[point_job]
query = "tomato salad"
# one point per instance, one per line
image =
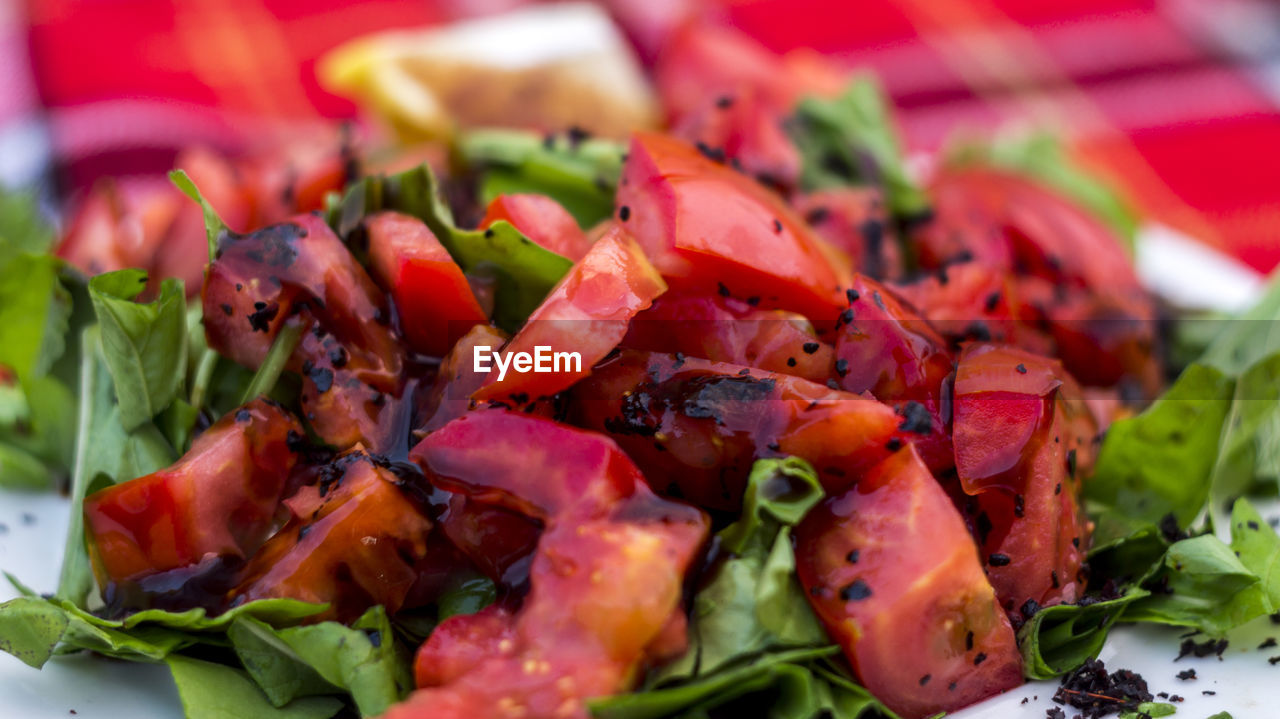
(824, 447)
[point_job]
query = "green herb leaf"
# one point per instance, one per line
(524, 271)
(216, 691)
(214, 227)
(22, 470)
(22, 229)
(581, 175)
(467, 592)
(1060, 638)
(1246, 457)
(30, 629)
(145, 346)
(1197, 584)
(852, 139)
(264, 380)
(1149, 710)
(34, 313)
(1161, 461)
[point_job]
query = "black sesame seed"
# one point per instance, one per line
(856, 591)
(724, 291)
(810, 347)
(624, 213)
(777, 226)
(980, 658)
(1022, 369)
(852, 556)
(842, 367)
(998, 560)
(925, 679)
(791, 361)
(968, 641)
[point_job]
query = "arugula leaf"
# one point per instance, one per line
(1161, 461)
(1041, 156)
(363, 659)
(144, 345)
(1250, 336)
(105, 453)
(1246, 454)
(1195, 586)
(21, 470)
(1258, 547)
(30, 629)
(754, 602)
(22, 229)
(851, 139)
(215, 229)
(34, 313)
(216, 691)
(1149, 710)
(525, 272)
(466, 592)
(1058, 639)
(582, 175)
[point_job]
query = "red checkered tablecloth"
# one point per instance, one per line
(1178, 100)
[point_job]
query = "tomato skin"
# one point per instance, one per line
(892, 573)
(586, 312)
(496, 540)
(705, 226)
(1070, 269)
(695, 427)
(604, 584)
(1026, 510)
(747, 131)
(352, 544)
(855, 220)
(432, 295)
(219, 499)
(450, 395)
(889, 350)
(724, 329)
(542, 220)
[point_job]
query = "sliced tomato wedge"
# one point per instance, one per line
(855, 220)
(449, 397)
(743, 130)
(435, 302)
(542, 220)
(723, 329)
(353, 542)
(1026, 512)
(893, 574)
(695, 427)
(606, 580)
(219, 500)
(886, 348)
(709, 229)
(586, 313)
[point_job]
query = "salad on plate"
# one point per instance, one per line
(738, 413)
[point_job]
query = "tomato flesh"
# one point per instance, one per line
(891, 571)
(586, 312)
(707, 227)
(220, 499)
(435, 302)
(542, 220)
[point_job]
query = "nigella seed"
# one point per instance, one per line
(1071, 463)
(810, 347)
(925, 679)
(753, 300)
(851, 295)
(980, 658)
(846, 317)
(855, 592)
(1022, 369)
(724, 291)
(852, 556)
(624, 213)
(1018, 509)
(777, 226)
(791, 361)
(998, 560)
(226, 310)
(842, 366)
(893, 445)
(968, 641)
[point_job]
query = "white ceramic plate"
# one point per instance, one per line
(1243, 682)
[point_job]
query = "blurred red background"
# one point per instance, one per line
(1177, 100)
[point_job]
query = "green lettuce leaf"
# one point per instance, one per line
(524, 271)
(1058, 639)
(216, 691)
(851, 139)
(363, 660)
(582, 175)
(215, 229)
(22, 229)
(34, 313)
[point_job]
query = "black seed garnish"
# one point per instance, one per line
(968, 641)
(1071, 463)
(1270, 642)
(1018, 509)
(1053, 577)
(855, 592)
(1022, 369)
(624, 213)
(791, 361)
(1057, 489)
(322, 377)
(980, 658)
(1099, 694)
(998, 560)
(338, 357)
(724, 102)
(893, 445)
(842, 366)
(875, 295)
(242, 415)
(777, 226)
(984, 526)
(1273, 660)
(753, 300)
(226, 309)
(260, 318)
(925, 679)
(1191, 647)
(951, 687)
(993, 299)
(1075, 542)
(1208, 692)
(1029, 608)
(846, 317)
(915, 418)
(852, 556)
(852, 295)
(724, 291)
(375, 637)
(810, 347)
(1253, 525)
